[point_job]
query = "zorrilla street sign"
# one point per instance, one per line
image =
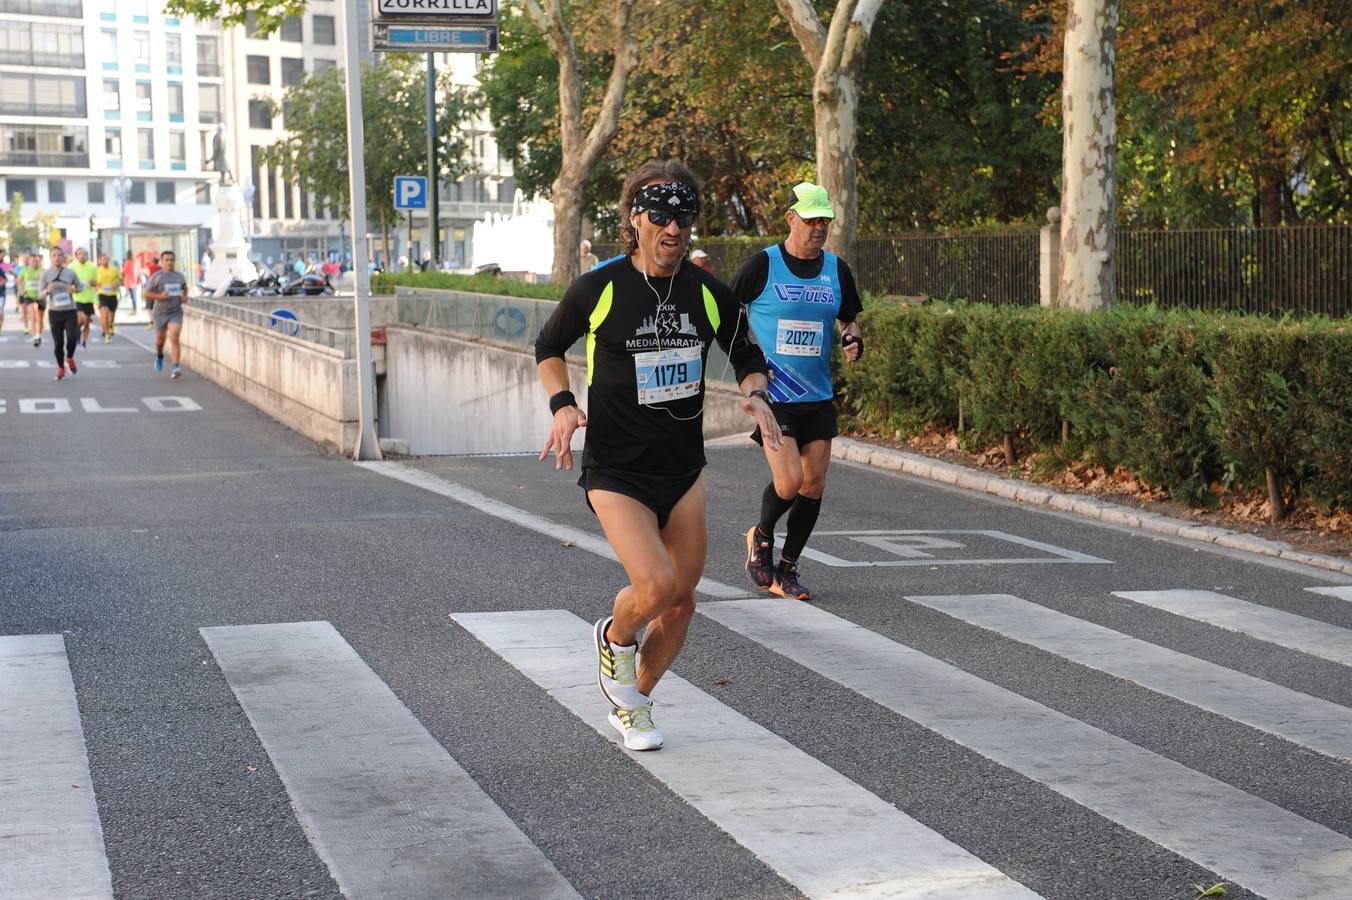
(483, 11)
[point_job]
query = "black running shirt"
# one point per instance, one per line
(646, 358)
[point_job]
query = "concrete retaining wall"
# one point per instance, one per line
(447, 395)
(308, 388)
(326, 312)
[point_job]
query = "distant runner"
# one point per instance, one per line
(167, 290)
(85, 299)
(34, 305)
(58, 286)
(107, 281)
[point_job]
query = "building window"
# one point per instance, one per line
(251, 25)
(293, 72)
(175, 91)
(140, 50)
(39, 44)
(27, 188)
(208, 103)
(173, 53)
(96, 192)
(41, 95)
(50, 146)
(56, 191)
(178, 150)
(256, 170)
(145, 109)
(288, 197)
(145, 147)
(259, 70)
(291, 30)
(274, 189)
(164, 192)
(137, 194)
(109, 48)
(112, 96)
(260, 114)
(112, 144)
(304, 199)
(324, 33)
(208, 56)
(323, 65)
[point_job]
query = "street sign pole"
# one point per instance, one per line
(367, 445)
(432, 179)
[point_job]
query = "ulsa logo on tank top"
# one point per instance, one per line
(807, 293)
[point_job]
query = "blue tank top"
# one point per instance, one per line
(794, 323)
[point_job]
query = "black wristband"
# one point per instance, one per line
(759, 392)
(847, 339)
(560, 400)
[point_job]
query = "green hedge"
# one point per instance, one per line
(1180, 398)
(385, 283)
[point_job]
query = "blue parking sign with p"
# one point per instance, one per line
(410, 192)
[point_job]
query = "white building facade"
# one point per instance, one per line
(100, 98)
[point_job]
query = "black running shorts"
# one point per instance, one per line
(660, 493)
(804, 422)
(108, 301)
(86, 308)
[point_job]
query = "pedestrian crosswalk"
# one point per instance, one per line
(392, 813)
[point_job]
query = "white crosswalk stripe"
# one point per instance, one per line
(392, 813)
(1246, 839)
(1342, 592)
(51, 844)
(827, 836)
(1299, 718)
(1272, 625)
(386, 807)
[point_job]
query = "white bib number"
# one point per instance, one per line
(173, 289)
(664, 375)
(798, 337)
(61, 300)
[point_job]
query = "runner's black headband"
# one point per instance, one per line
(669, 196)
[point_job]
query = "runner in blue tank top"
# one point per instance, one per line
(796, 292)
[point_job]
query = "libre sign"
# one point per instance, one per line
(465, 10)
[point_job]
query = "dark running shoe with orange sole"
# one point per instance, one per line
(760, 560)
(786, 583)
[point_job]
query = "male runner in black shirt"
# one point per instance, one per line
(649, 319)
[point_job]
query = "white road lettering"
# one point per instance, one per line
(92, 405)
(40, 406)
(170, 404)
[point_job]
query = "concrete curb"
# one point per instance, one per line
(1090, 507)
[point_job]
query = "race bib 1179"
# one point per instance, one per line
(664, 375)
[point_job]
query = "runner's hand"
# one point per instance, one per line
(560, 441)
(759, 410)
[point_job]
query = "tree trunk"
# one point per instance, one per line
(1276, 502)
(836, 57)
(835, 104)
(581, 153)
(1270, 197)
(1010, 456)
(1089, 157)
(569, 193)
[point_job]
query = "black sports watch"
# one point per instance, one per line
(761, 393)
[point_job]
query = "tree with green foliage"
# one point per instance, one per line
(268, 14)
(24, 236)
(394, 96)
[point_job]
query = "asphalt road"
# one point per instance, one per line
(130, 532)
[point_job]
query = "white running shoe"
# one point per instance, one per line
(616, 670)
(637, 728)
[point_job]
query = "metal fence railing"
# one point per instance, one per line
(504, 320)
(1290, 269)
(338, 339)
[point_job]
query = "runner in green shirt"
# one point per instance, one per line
(35, 306)
(85, 299)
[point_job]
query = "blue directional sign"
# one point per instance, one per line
(410, 192)
(387, 37)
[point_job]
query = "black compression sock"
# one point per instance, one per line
(802, 519)
(773, 507)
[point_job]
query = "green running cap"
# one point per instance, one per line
(811, 202)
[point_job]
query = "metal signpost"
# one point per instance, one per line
(434, 26)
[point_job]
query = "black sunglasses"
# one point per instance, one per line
(661, 218)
